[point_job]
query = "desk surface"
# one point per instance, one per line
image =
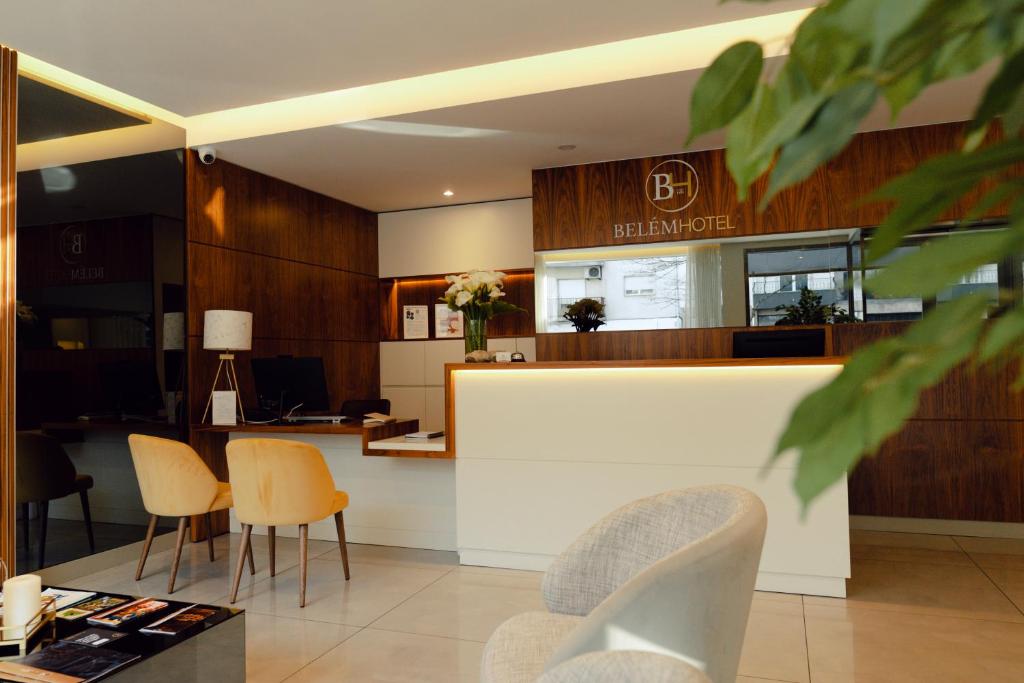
(354, 427)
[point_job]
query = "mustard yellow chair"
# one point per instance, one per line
(175, 482)
(277, 482)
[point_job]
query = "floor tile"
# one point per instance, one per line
(374, 590)
(406, 557)
(464, 605)
(999, 546)
(923, 588)
(389, 657)
(277, 647)
(898, 540)
(1010, 581)
(871, 646)
(774, 646)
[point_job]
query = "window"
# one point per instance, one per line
(638, 285)
(777, 277)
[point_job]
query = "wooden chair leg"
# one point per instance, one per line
(25, 528)
(87, 516)
(339, 522)
(303, 557)
(243, 550)
(252, 562)
(150, 531)
(209, 534)
(272, 542)
(182, 525)
(44, 513)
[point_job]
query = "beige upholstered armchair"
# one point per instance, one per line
(672, 574)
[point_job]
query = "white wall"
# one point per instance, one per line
(453, 239)
(412, 373)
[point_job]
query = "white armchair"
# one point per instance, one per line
(672, 574)
(624, 666)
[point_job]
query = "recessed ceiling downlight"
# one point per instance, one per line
(448, 193)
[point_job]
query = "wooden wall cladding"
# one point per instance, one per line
(705, 342)
(235, 208)
(8, 232)
(303, 263)
(578, 206)
(426, 290)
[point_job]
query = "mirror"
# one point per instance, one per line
(100, 331)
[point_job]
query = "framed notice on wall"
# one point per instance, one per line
(447, 323)
(415, 322)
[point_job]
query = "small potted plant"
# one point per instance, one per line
(586, 315)
(478, 294)
(810, 311)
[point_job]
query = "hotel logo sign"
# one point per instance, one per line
(672, 185)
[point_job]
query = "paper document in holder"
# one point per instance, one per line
(224, 408)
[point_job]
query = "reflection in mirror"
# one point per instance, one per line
(101, 300)
(744, 281)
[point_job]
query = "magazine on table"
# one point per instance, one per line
(63, 662)
(66, 598)
(84, 609)
(94, 637)
(124, 614)
(179, 622)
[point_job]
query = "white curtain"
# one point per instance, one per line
(702, 305)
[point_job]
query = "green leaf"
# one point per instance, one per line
(923, 194)
(889, 20)
(876, 392)
(827, 135)
(941, 262)
(725, 88)
(743, 135)
(1001, 92)
(1005, 331)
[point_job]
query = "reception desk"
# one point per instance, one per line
(546, 449)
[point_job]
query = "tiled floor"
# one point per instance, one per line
(920, 608)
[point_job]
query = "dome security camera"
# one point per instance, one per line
(207, 155)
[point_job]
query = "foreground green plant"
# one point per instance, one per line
(844, 57)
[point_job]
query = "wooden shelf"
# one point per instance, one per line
(400, 447)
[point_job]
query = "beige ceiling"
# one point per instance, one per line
(486, 151)
(198, 56)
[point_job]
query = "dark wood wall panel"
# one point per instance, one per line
(426, 290)
(233, 207)
(577, 206)
(945, 469)
(8, 231)
(304, 264)
(288, 299)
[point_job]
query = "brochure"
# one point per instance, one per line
(66, 598)
(180, 621)
(126, 613)
(84, 609)
(94, 637)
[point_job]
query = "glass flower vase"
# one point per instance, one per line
(476, 334)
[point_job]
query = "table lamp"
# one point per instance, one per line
(227, 331)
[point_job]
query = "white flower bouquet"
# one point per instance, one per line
(478, 294)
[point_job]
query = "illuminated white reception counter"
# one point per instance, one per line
(546, 449)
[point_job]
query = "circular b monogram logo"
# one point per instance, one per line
(672, 185)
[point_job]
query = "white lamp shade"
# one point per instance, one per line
(174, 331)
(227, 330)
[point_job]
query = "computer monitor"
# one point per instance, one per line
(778, 343)
(286, 383)
(131, 387)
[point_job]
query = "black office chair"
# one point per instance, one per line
(360, 407)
